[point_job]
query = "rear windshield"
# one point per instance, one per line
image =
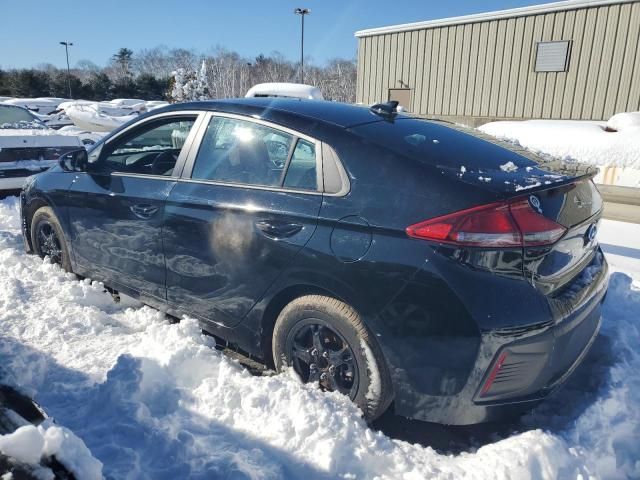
(443, 144)
(13, 117)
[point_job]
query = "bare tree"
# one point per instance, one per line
(226, 73)
(156, 61)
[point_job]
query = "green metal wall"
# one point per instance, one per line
(486, 69)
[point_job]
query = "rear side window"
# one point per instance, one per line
(249, 153)
(237, 151)
(301, 173)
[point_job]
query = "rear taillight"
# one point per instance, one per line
(502, 224)
(536, 229)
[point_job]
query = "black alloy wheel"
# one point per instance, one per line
(47, 238)
(48, 242)
(321, 355)
(327, 343)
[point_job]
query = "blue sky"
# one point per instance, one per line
(31, 29)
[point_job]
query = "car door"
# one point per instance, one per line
(247, 203)
(116, 207)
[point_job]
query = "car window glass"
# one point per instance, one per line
(239, 151)
(17, 118)
(302, 167)
(153, 151)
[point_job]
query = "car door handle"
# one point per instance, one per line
(143, 211)
(277, 229)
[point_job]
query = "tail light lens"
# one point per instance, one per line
(536, 229)
(502, 224)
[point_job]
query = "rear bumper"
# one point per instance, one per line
(533, 367)
(539, 359)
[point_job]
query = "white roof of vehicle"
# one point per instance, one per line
(287, 90)
(54, 102)
(126, 101)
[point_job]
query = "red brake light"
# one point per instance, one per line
(502, 224)
(536, 229)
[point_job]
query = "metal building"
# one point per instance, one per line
(577, 59)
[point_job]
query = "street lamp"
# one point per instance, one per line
(302, 12)
(66, 47)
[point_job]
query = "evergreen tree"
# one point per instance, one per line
(124, 87)
(122, 61)
(59, 86)
(4, 85)
(150, 87)
(29, 83)
(100, 85)
(189, 85)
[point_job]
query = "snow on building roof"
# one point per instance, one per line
(498, 14)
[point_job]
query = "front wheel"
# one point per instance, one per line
(326, 342)
(47, 238)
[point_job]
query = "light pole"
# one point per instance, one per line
(66, 47)
(302, 12)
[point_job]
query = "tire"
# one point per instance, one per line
(47, 238)
(340, 340)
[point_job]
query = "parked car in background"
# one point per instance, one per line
(285, 90)
(27, 146)
(42, 105)
(389, 258)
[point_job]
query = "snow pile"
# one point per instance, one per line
(25, 445)
(88, 115)
(22, 126)
(29, 444)
(624, 121)
(509, 167)
(611, 425)
(571, 140)
(98, 117)
(152, 399)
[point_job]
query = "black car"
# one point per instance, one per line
(396, 260)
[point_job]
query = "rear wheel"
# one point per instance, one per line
(47, 238)
(326, 342)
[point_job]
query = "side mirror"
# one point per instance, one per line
(74, 161)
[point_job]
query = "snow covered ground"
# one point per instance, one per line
(584, 141)
(153, 399)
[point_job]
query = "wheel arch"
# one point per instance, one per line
(275, 305)
(30, 209)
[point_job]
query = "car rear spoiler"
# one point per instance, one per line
(570, 169)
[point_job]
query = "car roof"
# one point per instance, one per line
(339, 114)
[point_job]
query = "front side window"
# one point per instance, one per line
(153, 150)
(238, 151)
